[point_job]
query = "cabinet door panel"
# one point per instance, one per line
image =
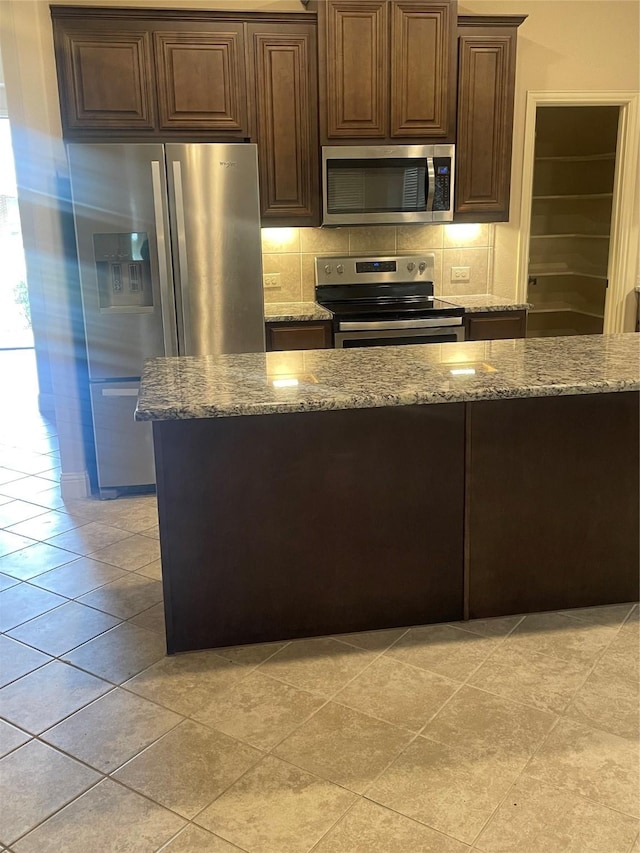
(297, 336)
(422, 69)
(495, 325)
(356, 68)
(201, 79)
(106, 79)
(284, 70)
(485, 119)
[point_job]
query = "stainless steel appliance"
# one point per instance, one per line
(373, 184)
(385, 301)
(168, 240)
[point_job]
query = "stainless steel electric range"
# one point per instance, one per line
(385, 301)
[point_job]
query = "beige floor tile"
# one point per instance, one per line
(612, 704)
(131, 553)
(152, 570)
(64, 628)
(622, 658)
(63, 688)
(45, 526)
(250, 655)
(321, 665)
(445, 788)
(443, 649)
(259, 710)
(152, 619)
(138, 517)
(538, 680)
(37, 780)
(595, 764)
(93, 509)
(112, 729)
(126, 596)
(481, 722)
(11, 738)
(6, 582)
(17, 660)
(14, 511)
(34, 560)
(609, 614)
(373, 641)
(187, 683)
(49, 499)
(108, 814)
(561, 637)
(23, 602)
(537, 818)
(344, 746)
(188, 768)
(196, 840)
(119, 654)
(89, 537)
(152, 532)
(77, 578)
(497, 627)
(398, 693)
(370, 828)
(25, 488)
(276, 808)
(12, 542)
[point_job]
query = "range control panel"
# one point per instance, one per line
(370, 269)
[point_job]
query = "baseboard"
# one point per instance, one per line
(75, 486)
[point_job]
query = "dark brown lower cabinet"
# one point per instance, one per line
(292, 525)
(302, 335)
(552, 503)
(492, 325)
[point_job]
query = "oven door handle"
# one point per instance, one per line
(379, 325)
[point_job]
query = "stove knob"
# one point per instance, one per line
(327, 269)
(339, 269)
(411, 266)
(422, 267)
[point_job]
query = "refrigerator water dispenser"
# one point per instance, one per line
(124, 272)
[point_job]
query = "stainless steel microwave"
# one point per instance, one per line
(387, 184)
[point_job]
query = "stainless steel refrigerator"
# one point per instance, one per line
(168, 240)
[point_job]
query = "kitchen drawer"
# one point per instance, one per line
(295, 336)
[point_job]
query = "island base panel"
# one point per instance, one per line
(552, 503)
(290, 525)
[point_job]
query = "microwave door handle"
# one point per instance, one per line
(430, 179)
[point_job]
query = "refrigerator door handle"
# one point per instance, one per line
(181, 233)
(167, 308)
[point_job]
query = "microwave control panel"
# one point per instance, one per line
(442, 183)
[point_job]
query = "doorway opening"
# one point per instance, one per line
(571, 209)
(15, 314)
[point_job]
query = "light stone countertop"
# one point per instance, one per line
(480, 302)
(371, 377)
(291, 312)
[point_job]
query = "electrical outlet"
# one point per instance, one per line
(271, 279)
(460, 273)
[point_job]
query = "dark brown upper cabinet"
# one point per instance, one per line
(201, 79)
(106, 77)
(283, 68)
(486, 86)
(387, 70)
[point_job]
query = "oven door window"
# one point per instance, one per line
(377, 185)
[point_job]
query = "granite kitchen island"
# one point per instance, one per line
(330, 491)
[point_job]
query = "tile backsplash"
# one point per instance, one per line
(291, 253)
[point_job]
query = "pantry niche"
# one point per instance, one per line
(573, 182)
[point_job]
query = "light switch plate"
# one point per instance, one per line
(460, 273)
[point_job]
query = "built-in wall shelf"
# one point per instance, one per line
(548, 270)
(571, 236)
(576, 158)
(572, 197)
(560, 307)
